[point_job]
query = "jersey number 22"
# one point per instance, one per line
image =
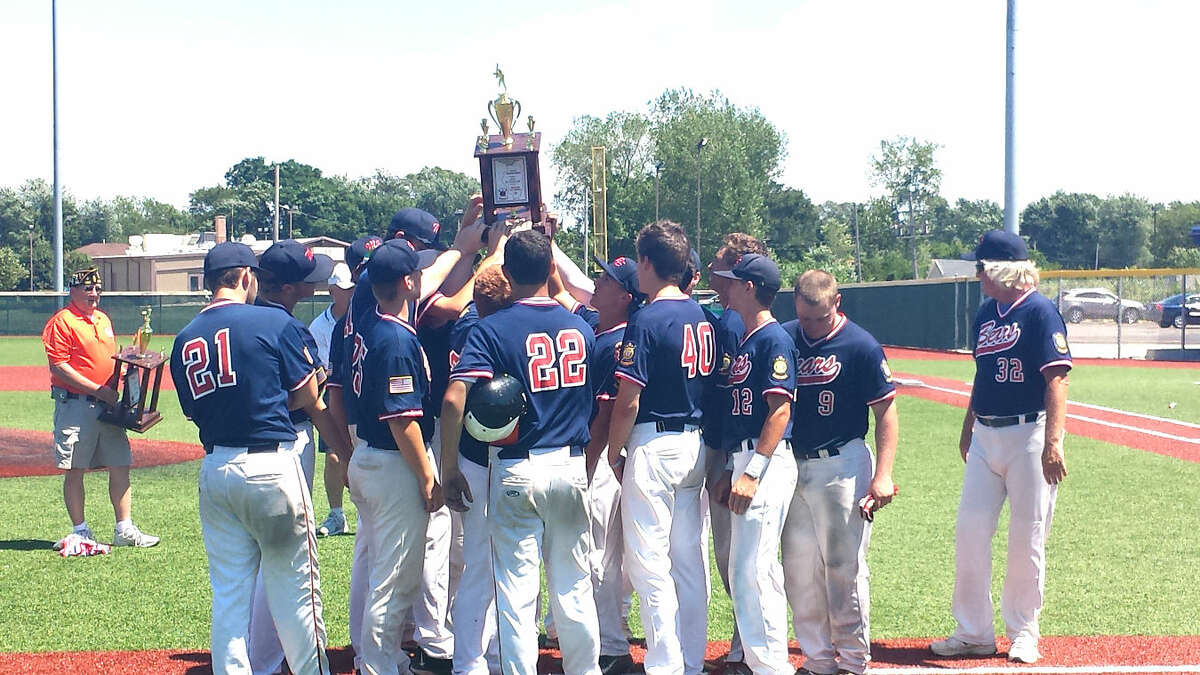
(556, 362)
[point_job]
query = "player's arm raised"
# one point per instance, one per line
(1054, 463)
(887, 436)
(456, 488)
(779, 411)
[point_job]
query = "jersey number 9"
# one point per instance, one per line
(557, 362)
(200, 379)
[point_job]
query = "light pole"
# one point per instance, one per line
(58, 221)
(699, 146)
(31, 256)
(658, 166)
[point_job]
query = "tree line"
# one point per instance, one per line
(698, 159)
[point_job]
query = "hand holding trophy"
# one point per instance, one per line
(131, 410)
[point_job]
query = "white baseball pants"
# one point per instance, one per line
(661, 519)
(718, 516)
(387, 494)
(825, 541)
(756, 577)
(431, 611)
(608, 552)
(1005, 462)
(266, 652)
(538, 511)
(473, 606)
(256, 513)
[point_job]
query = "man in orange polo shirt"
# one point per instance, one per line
(80, 344)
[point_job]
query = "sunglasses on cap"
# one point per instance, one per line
(93, 287)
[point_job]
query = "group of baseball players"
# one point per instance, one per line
(644, 422)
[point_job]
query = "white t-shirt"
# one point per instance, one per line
(322, 331)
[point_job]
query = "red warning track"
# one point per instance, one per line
(31, 453)
(37, 378)
(1059, 654)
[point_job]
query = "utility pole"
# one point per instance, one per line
(857, 247)
(31, 256)
(58, 221)
(1010, 187)
(699, 148)
(912, 229)
(275, 227)
(657, 168)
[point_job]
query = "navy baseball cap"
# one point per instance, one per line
(229, 254)
(999, 245)
(755, 268)
(394, 260)
(624, 272)
(417, 225)
(360, 250)
(292, 262)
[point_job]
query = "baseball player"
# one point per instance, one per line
(728, 329)
(667, 353)
(614, 299)
(537, 502)
(1011, 442)
(392, 481)
(841, 372)
(341, 288)
(473, 607)
(757, 423)
(238, 369)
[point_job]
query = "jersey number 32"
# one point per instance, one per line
(200, 378)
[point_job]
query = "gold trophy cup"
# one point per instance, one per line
(141, 338)
(504, 111)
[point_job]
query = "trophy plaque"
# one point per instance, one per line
(131, 410)
(508, 163)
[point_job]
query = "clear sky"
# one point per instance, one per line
(159, 98)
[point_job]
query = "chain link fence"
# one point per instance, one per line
(1127, 313)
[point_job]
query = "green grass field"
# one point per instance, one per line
(1113, 567)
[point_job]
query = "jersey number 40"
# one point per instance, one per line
(556, 362)
(699, 352)
(200, 378)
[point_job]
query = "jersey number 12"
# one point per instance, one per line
(200, 379)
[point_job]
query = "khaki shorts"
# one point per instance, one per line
(81, 441)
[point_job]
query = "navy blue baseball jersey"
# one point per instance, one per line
(728, 328)
(604, 362)
(1013, 345)
(436, 343)
(591, 316)
(765, 364)
(670, 351)
(310, 343)
(233, 366)
(392, 375)
(471, 449)
(548, 350)
(837, 378)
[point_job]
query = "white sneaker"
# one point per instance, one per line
(132, 536)
(87, 534)
(952, 646)
(1024, 650)
(334, 524)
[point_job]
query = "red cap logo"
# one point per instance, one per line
(372, 244)
(621, 261)
(308, 253)
(437, 227)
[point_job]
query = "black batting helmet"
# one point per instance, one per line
(494, 408)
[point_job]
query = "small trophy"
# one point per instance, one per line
(138, 362)
(508, 163)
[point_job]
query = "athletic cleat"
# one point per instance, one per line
(616, 665)
(952, 646)
(132, 536)
(424, 664)
(1024, 650)
(333, 525)
(87, 534)
(736, 668)
(806, 671)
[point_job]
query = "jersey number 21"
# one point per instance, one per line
(200, 379)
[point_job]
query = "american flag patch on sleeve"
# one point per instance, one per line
(401, 384)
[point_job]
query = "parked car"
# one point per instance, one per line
(1172, 310)
(1097, 303)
